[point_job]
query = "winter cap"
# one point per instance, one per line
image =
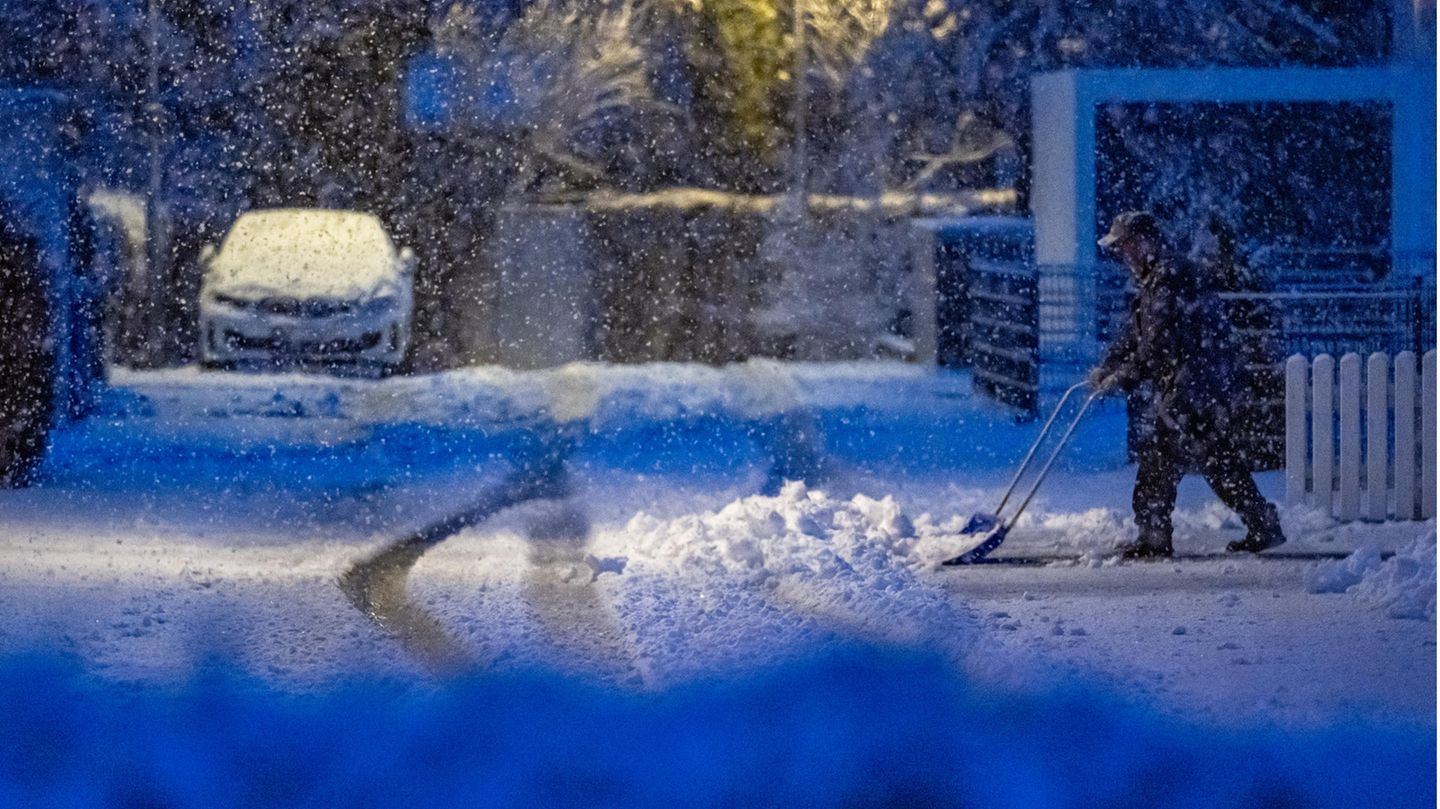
(1128, 225)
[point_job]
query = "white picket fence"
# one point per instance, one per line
(1382, 421)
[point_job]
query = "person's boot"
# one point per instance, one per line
(1264, 533)
(1149, 545)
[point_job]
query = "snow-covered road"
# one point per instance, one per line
(209, 518)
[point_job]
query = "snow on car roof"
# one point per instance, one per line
(305, 253)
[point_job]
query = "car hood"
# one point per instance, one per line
(335, 255)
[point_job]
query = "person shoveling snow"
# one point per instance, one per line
(1179, 341)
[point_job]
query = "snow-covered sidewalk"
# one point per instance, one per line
(207, 517)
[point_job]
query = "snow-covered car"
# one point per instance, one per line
(306, 286)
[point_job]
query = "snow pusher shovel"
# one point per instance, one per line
(993, 526)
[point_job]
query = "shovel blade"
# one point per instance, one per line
(977, 554)
(981, 524)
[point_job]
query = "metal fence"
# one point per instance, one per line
(1290, 267)
(1389, 318)
(1004, 332)
(1310, 316)
(1032, 329)
(1026, 329)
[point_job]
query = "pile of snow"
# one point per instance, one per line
(799, 533)
(1403, 585)
(682, 588)
(1092, 534)
(764, 578)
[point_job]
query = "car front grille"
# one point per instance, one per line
(303, 308)
(281, 345)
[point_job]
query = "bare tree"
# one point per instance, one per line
(841, 33)
(579, 74)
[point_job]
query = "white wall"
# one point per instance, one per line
(1063, 109)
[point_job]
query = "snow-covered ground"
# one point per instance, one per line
(204, 522)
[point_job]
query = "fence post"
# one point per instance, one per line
(1405, 435)
(1297, 375)
(1322, 431)
(1377, 373)
(1427, 442)
(1350, 437)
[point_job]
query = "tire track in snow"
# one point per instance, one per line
(579, 627)
(581, 630)
(376, 585)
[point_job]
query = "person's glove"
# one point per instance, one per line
(1100, 379)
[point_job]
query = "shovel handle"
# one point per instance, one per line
(1035, 447)
(1050, 462)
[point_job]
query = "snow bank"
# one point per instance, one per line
(882, 416)
(583, 390)
(856, 728)
(762, 579)
(1403, 585)
(798, 533)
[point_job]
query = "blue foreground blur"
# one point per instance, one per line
(862, 727)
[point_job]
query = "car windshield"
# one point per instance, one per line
(304, 254)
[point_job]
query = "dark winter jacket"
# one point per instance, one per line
(1179, 340)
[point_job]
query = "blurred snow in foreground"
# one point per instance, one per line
(860, 727)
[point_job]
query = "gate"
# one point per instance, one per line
(1004, 339)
